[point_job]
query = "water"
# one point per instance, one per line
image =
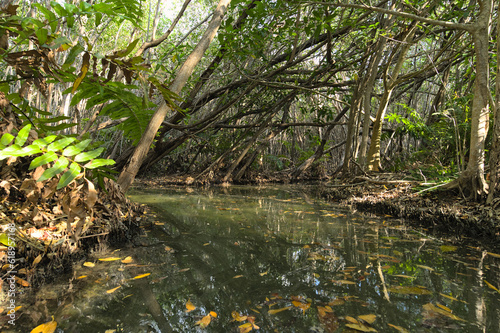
(277, 259)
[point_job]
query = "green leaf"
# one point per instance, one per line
(44, 141)
(42, 34)
(6, 240)
(82, 157)
(60, 144)
(6, 139)
(68, 176)
(98, 18)
(10, 151)
(30, 150)
(42, 160)
(23, 134)
(58, 167)
(98, 162)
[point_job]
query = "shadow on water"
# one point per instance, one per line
(280, 260)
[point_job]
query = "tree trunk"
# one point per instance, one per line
(127, 176)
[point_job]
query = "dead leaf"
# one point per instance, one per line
(236, 316)
(275, 311)
(127, 260)
(37, 260)
(409, 290)
(22, 282)
(92, 195)
(361, 327)
(49, 327)
(368, 318)
(190, 306)
(205, 321)
(88, 264)
(110, 259)
(491, 286)
(141, 276)
(494, 255)
(110, 291)
(431, 308)
(399, 328)
(81, 277)
(237, 276)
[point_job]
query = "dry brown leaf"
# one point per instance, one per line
(92, 194)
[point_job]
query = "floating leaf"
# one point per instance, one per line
(344, 281)
(302, 306)
(409, 290)
(491, 286)
(49, 327)
(399, 328)
(109, 259)
(81, 277)
(184, 270)
(245, 328)
(190, 306)
(237, 276)
(426, 267)
(434, 309)
(264, 273)
(361, 327)
(449, 297)
(204, 321)
(368, 318)
(494, 255)
(88, 264)
(236, 316)
(275, 311)
(141, 276)
(447, 248)
(127, 260)
(110, 291)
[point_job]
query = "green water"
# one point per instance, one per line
(290, 261)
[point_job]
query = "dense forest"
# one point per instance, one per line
(253, 88)
(96, 93)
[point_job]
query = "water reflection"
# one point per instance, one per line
(279, 260)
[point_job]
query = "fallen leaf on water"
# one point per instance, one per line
(127, 260)
(302, 306)
(237, 276)
(494, 255)
(190, 306)
(404, 276)
(264, 273)
(141, 276)
(445, 308)
(81, 277)
(203, 322)
(275, 311)
(206, 244)
(251, 319)
(351, 319)
(409, 290)
(368, 318)
(88, 264)
(49, 327)
(336, 302)
(361, 327)
(449, 297)
(323, 310)
(236, 316)
(110, 331)
(109, 259)
(426, 267)
(399, 328)
(447, 248)
(431, 308)
(491, 286)
(110, 291)
(245, 328)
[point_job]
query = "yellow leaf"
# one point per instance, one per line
(81, 277)
(449, 297)
(190, 306)
(110, 259)
(22, 282)
(344, 281)
(17, 308)
(351, 319)
(127, 260)
(409, 290)
(49, 327)
(245, 328)
(110, 291)
(434, 309)
(184, 270)
(444, 307)
(213, 314)
(368, 318)
(141, 276)
(399, 328)
(236, 316)
(206, 244)
(491, 286)
(361, 327)
(494, 255)
(275, 311)
(426, 267)
(448, 248)
(237, 276)
(88, 264)
(169, 249)
(264, 273)
(204, 321)
(110, 331)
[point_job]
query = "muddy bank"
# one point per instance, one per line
(444, 214)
